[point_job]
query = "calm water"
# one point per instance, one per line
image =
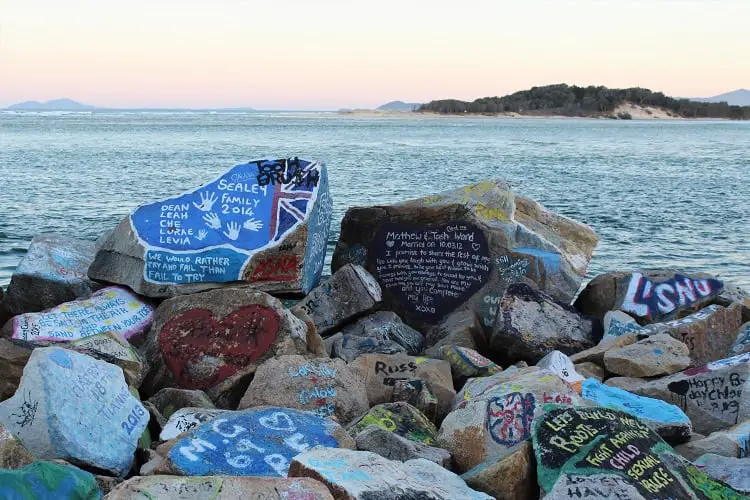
(657, 193)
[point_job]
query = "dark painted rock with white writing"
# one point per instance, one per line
(110, 309)
(653, 356)
(530, 325)
(650, 296)
(461, 248)
(53, 271)
(362, 475)
(265, 222)
(219, 488)
(735, 472)
(714, 396)
(733, 442)
(741, 343)
(48, 481)
(253, 442)
(349, 293)
(508, 476)
(77, 408)
(186, 419)
(214, 340)
(467, 363)
(326, 387)
(400, 418)
(495, 413)
(113, 348)
(613, 455)
(382, 372)
(381, 332)
(390, 445)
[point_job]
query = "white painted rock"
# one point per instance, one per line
(741, 343)
(656, 355)
(362, 475)
(187, 419)
(561, 365)
(733, 471)
(74, 407)
(113, 348)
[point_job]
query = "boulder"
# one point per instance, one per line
(497, 416)
(735, 472)
(170, 399)
(349, 293)
(508, 476)
(613, 453)
(74, 407)
(587, 369)
(328, 342)
(467, 363)
(326, 387)
(741, 343)
(13, 454)
(113, 348)
(733, 442)
(110, 309)
(450, 251)
(389, 445)
(531, 324)
(648, 295)
(53, 271)
(483, 387)
(382, 332)
(186, 419)
(665, 419)
(265, 222)
(13, 358)
(399, 418)
(714, 396)
(461, 328)
(733, 294)
(48, 481)
(653, 356)
(215, 340)
(362, 475)
(382, 372)
(219, 487)
(617, 324)
(561, 365)
(254, 442)
(596, 354)
(417, 393)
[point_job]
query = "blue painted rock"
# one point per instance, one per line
(74, 407)
(382, 332)
(362, 475)
(460, 249)
(400, 418)
(53, 271)
(666, 419)
(48, 481)
(601, 449)
(650, 296)
(214, 340)
(741, 343)
(349, 293)
(254, 442)
(265, 222)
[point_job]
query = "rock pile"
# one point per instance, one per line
(195, 352)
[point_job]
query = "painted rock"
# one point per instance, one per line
(74, 407)
(186, 419)
(741, 343)
(601, 449)
(735, 472)
(13, 358)
(325, 387)
(265, 222)
(213, 340)
(394, 447)
(466, 363)
(362, 475)
(13, 454)
(399, 418)
(219, 487)
(461, 328)
(714, 396)
(617, 323)
(349, 293)
(531, 324)
(110, 309)
(508, 476)
(382, 332)
(653, 356)
(648, 295)
(664, 418)
(53, 271)
(113, 348)
(382, 372)
(494, 418)
(561, 365)
(460, 249)
(254, 442)
(48, 481)
(733, 442)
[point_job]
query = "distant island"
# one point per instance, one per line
(591, 102)
(54, 105)
(740, 97)
(399, 106)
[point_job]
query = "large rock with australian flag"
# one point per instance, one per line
(264, 222)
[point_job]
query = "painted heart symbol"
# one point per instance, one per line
(390, 243)
(272, 422)
(475, 246)
(201, 351)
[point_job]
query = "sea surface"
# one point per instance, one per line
(658, 193)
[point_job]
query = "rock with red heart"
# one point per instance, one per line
(215, 340)
(460, 249)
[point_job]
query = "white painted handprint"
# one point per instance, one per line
(253, 224)
(201, 234)
(207, 201)
(212, 221)
(234, 231)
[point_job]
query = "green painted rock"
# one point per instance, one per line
(48, 481)
(400, 418)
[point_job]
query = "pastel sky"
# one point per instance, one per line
(329, 54)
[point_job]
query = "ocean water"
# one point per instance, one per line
(658, 193)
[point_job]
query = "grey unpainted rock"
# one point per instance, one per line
(53, 271)
(508, 476)
(590, 370)
(733, 471)
(596, 353)
(13, 359)
(349, 293)
(381, 332)
(394, 447)
(13, 454)
(733, 442)
(171, 399)
(461, 328)
(656, 355)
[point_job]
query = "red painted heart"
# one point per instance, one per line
(240, 338)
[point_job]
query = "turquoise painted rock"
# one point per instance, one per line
(76, 408)
(48, 481)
